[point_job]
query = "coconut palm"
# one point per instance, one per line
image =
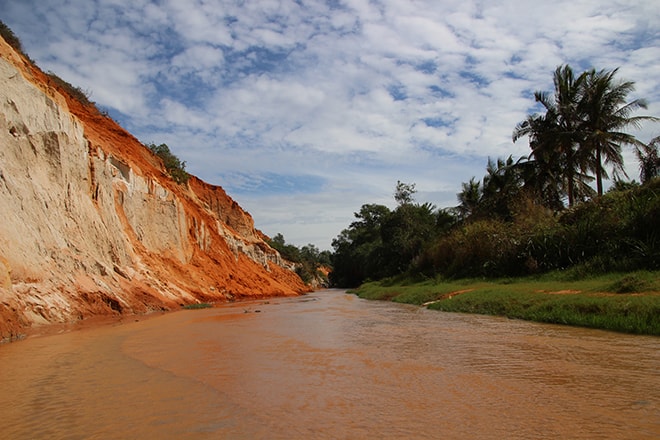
(501, 186)
(541, 171)
(555, 136)
(606, 114)
(649, 160)
(469, 198)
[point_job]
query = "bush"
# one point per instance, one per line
(617, 232)
(80, 95)
(175, 167)
(11, 39)
(481, 248)
(629, 284)
(9, 36)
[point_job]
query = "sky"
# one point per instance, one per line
(304, 110)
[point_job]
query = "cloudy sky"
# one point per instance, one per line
(303, 110)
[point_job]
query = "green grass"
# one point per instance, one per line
(619, 302)
(197, 306)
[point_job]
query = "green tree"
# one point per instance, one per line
(469, 198)
(405, 233)
(287, 251)
(308, 259)
(358, 249)
(501, 186)
(404, 192)
(555, 136)
(606, 114)
(383, 243)
(649, 160)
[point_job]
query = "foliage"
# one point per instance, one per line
(174, 166)
(8, 35)
(649, 160)
(404, 192)
(287, 251)
(615, 232)
(581, 130)
(514, 222)
(80, 95)
(384, 242)
(309, 259)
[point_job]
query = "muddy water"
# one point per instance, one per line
(330, 366)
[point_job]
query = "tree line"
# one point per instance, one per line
(536, 213)
(309, 260)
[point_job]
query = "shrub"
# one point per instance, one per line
(174, 166)
(629, 284)
(11, 39)
(482, 248)
(80, 95)
(196, 306)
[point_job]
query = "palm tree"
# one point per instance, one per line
(469, 198)
(501, 186)
(606, 114)
(555, 136)
(541, 170)
(649, 160)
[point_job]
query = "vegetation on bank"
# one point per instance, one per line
(311, 263)
(628, 302)
(175, 167)
(10, 37)
(533, 239)
(196, 306)
(531, 215)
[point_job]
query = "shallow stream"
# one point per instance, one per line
(330, 366)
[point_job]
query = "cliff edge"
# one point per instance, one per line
(91, 224)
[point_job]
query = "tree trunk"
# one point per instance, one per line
(599, 172)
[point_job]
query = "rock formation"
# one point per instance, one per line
(91, 224)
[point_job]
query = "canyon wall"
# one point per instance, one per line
(91, 224)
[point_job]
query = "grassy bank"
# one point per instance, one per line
(619, 302)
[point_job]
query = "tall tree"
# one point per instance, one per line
(556, 134)
(404, 193)
(606, 114)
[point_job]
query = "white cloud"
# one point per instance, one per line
(352, 95)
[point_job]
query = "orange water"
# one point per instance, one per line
(330, 366)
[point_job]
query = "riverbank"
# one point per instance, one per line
(628, 303)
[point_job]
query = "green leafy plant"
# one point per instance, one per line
(174, 166)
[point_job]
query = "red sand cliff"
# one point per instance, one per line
(91, 224)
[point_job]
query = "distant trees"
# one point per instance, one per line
(309, 259)
(384, 242)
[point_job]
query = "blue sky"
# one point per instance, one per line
(303, 110)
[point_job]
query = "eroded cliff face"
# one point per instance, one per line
(90, 224)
